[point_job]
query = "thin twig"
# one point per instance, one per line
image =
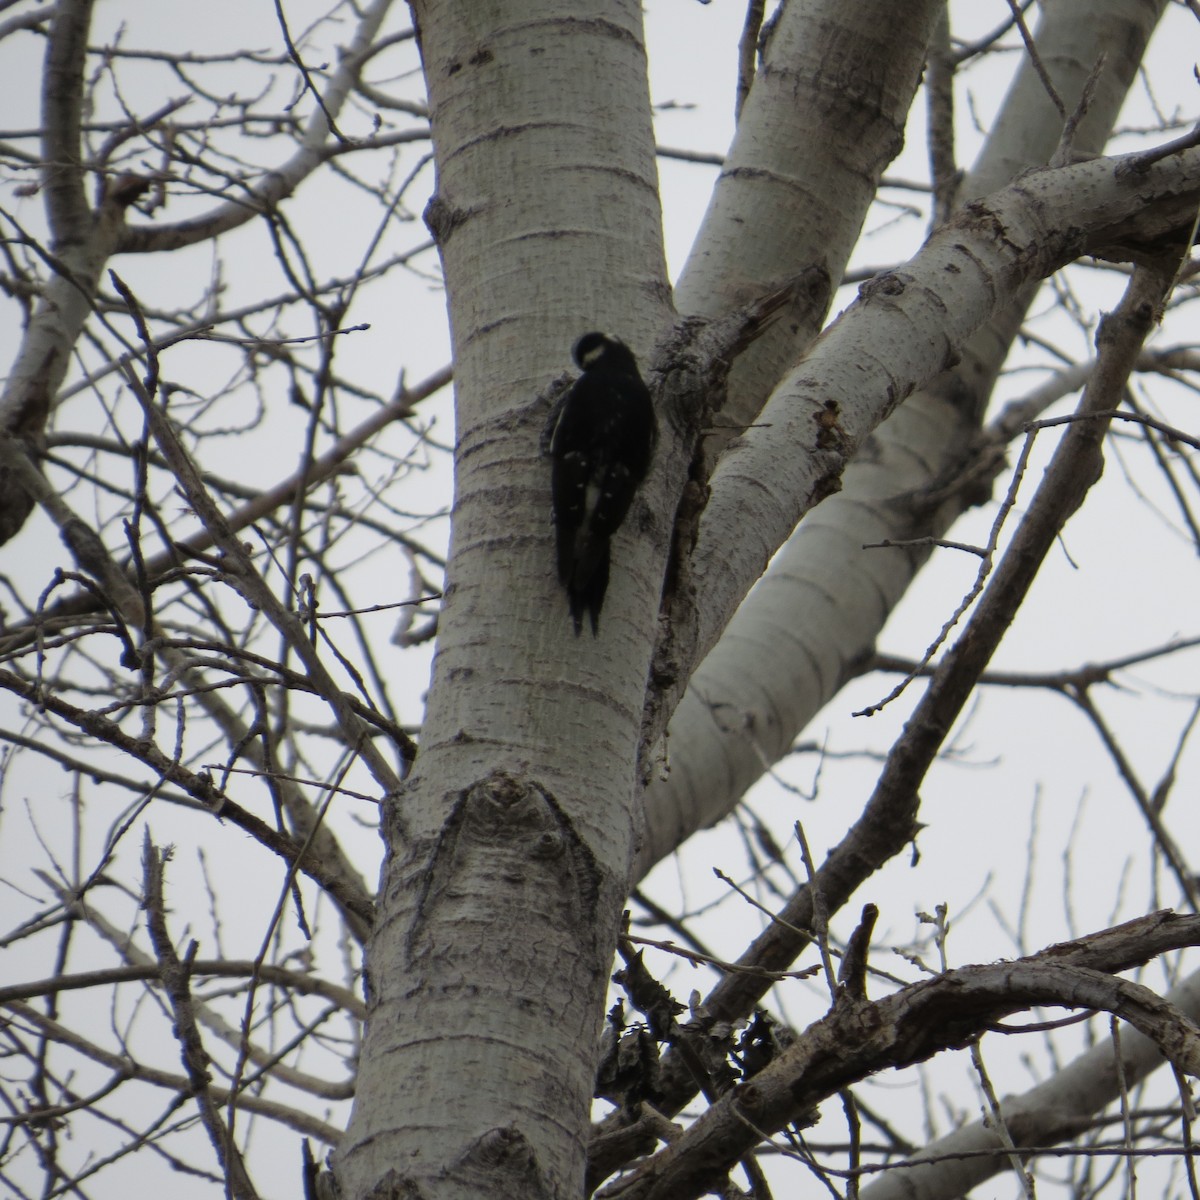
(747, 52)
(175, 979)
(1036, 59)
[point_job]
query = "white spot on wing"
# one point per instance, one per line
(591, 497)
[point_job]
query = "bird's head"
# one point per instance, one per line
(593, 348)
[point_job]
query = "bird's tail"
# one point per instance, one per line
(588, 583)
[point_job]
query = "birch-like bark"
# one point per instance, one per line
(824, 118)
(509, 847)
(814, 617)
(906, 327)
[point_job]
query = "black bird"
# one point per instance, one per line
(601, 445)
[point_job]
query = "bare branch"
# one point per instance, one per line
(857, 1039)
(174, 975)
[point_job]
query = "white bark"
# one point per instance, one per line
(501, 896)
(512, 840)
(510, 847)
(906, 328)
(817, 612)
(823, 120)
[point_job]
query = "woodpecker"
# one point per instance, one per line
(602, 440)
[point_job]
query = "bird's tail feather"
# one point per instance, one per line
(587, 585)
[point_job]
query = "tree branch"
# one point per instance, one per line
(948, 1012)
